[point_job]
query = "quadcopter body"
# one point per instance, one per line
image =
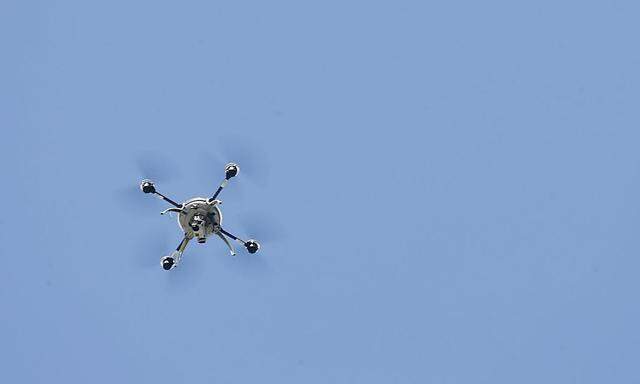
(199, 218)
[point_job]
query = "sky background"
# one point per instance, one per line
(448, 192)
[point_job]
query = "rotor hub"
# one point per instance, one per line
(198, 218)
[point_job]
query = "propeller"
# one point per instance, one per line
(246, 152)
(157, 166)
(261, 226)
(267, 231)
(151, 245)
(149, 164)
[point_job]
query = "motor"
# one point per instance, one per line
(231, 170)
(252, 246)
(168, 262)
(147, 186)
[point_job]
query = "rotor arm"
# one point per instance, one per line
(226, 241)
(147, 186)
(230, 170)
(171, 261)
(183, 244)
(251, 245)
(236, 238)
(168, 200)
(220, 188)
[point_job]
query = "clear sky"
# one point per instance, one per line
(448, 191)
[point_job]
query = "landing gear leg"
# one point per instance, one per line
(251, 245)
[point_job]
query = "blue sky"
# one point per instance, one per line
(447, 191)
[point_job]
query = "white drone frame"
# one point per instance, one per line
(199, 218)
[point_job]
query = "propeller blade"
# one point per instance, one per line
(132, 199)
(151, 245)
(247, 152)
(252, 159)
(157, 166)
(149, 164)
(262, 227)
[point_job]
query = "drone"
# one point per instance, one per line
(199, 218)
